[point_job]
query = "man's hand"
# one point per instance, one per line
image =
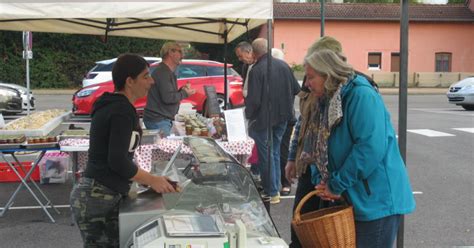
(290, 171)
(189, 91)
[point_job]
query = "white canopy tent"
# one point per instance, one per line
(205, 21)
(193, 20)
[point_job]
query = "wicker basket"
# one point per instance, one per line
(330, 227)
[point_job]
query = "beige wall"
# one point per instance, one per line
(359, 38)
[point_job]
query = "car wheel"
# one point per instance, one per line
(468, 107)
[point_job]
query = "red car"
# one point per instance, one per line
(197, 72)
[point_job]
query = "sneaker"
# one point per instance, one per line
(275, 199)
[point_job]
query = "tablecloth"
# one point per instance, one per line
(164, 149)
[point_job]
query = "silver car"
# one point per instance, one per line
(462, 93)
(23, 93)
(10, 100)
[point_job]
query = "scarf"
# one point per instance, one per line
(327, 114)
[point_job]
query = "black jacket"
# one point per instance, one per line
(114, 135)
(283, 88)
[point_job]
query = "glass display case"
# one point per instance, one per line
(218, 205)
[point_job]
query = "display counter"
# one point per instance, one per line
(218, 205)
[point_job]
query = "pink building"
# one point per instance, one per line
(441, 37)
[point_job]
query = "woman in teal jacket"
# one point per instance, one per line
(355, 150)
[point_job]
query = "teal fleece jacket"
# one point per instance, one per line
(364, 158)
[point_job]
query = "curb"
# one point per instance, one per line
(54, 91)
(415, 91)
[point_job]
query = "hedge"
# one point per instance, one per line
(61, 60)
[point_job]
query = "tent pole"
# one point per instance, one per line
(322, 17)
(269, 106)
(226, 84)
(402, 100)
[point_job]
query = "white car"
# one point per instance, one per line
(462, 93)
(24, 96)
(102, 71)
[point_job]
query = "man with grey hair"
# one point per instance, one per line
(244, 53)
(278, 106)
(164, 96)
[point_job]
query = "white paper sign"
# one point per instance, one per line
(235, 124)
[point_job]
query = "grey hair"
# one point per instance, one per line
(167, 47)
(330, 64)
(244, 46)
(260, 46)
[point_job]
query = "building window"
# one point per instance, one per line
(395, 62)
(443, 62)
(375, 61)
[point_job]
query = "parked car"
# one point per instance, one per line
(102, 71)
(10, 100)
(462, 93)
(24, 95)
(197, 72)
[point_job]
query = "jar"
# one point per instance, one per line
(204, 132)
(189, 130)
(196, 131)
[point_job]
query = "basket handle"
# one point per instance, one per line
(296, 214)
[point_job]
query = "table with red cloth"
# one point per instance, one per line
(146, 154)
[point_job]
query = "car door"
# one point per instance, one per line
(196, 76)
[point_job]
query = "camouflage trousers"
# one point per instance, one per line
(95, 209)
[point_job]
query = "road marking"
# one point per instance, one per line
(469, 130)
(430, 133)
(459, 111)
(38, 207)
(417, 192)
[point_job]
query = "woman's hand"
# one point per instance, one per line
(290, 171)
(162, 185)
(325, 193)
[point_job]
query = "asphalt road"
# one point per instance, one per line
(440, 145)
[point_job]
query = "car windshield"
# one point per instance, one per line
(109, 66)
(103, 67)
(219, 71)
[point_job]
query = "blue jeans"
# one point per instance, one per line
(380, 233)
(164, 126)
(271, 185)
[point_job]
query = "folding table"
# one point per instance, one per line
(24, 180)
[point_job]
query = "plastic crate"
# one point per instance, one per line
(7, 174)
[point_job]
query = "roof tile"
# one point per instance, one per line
(373, 11)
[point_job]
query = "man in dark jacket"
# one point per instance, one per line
(269, 110)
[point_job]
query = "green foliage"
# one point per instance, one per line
(216, 51)
(61, 60)
(297, 68)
